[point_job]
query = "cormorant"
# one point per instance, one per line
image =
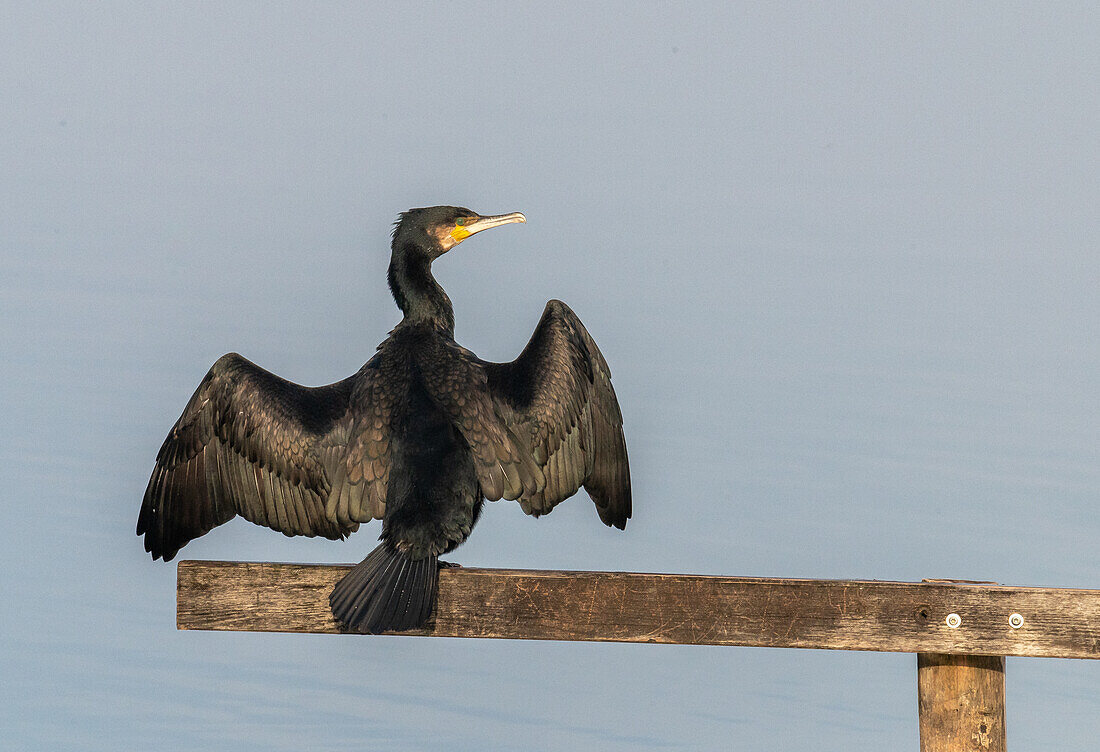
(417, 438)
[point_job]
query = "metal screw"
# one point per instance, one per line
(1015, 621)
(954, 621)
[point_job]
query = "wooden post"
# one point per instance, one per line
(951, 618)
(961, 698)
(961, 701)
(960, 630)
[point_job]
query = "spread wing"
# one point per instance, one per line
(557, 396)
(253, 444)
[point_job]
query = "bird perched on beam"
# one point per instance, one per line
(418, 438)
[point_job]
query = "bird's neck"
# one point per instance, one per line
(416, 292)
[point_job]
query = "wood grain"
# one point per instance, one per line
(668, 608)
(961, 702)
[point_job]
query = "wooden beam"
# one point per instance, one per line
(930, 617)
(961, 702)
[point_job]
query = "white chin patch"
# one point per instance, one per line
(444, 238)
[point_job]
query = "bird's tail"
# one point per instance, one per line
(387, 591)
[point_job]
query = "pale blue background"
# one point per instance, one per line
(843, 259)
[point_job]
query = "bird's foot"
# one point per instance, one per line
(448, 565)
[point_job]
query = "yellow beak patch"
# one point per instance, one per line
(460, 233)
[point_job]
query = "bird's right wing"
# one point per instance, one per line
(557, 396)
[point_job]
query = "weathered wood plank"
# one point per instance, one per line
(961, 702)
(667, 608)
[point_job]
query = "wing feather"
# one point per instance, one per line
(557, 396)
(253, 444)
(457, 382)
(361, 471)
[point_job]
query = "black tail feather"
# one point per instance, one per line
(385, 592)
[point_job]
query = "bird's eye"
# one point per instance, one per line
(461, 221)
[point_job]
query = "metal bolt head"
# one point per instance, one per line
(954, 621)
(1015, 621)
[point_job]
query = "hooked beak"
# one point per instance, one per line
(462, 232)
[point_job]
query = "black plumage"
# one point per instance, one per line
(417, 438)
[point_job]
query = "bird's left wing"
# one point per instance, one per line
(254, 444)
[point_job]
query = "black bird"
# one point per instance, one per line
(417, 438)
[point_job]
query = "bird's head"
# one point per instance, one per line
(438, 229)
